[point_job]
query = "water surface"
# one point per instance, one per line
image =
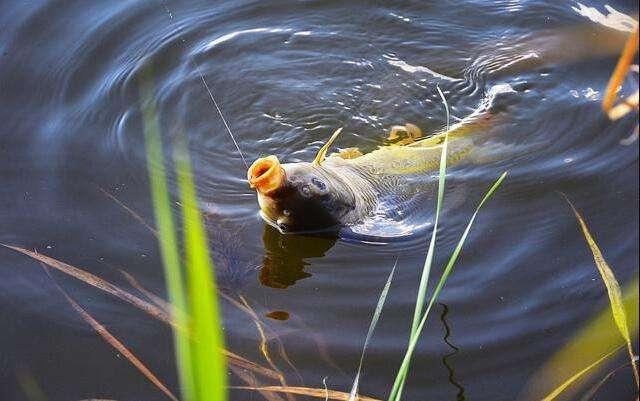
(286, 75)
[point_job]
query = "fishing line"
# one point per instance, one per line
(213, 100)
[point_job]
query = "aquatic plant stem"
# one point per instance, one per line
(620, 71)
(207, 341)
(167, 237)
(396, 392)
(426, 269)
(112, 340)
(353, 394)
(558, 390)
(612, 286)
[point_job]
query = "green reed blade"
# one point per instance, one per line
(166, 232)
(396, 392)
(558, 390)
(426, 269)
(612, 286)
(374, 321)
(596, 338)
(207, 339)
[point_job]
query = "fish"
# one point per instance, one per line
(344, 189)
(348, 189)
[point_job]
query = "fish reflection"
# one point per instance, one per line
(285, 256)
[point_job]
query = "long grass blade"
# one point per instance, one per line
(428, 262)
(131, 212)
(263, 344)
(308, 391)
(374, 321)
(251, 381)
(156, 300)
(426, 269)
(114, 342)
(589, 395)
(244, 363)
(167, 237)
(612, 286)
(396, 392)
(208, 362)
(97, 282)
(151, 309)
(596, 338)
(557, 391)
(29, 385)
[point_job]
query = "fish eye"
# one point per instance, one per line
(319, 183)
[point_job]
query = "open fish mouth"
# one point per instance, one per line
(266, 175)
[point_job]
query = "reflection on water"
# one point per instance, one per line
(285, 75)
(454, 350)
(286, 256)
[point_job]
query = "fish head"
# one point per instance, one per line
(300, 197)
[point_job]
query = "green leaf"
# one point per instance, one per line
(396, 392)
(353, 394)
(166, 231)
(198, 335)
(558, 390)
(207, 340)
(612, 286)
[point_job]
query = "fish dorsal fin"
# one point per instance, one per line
(322, 153)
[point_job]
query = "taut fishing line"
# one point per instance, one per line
(208, 89)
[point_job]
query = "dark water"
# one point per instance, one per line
(286, 75)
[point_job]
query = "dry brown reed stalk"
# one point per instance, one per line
(317, 340)
(285, 356)
(274, 372)
(113, 341)
(97, 282)
(244, 306)
(617, 78)
(308, 391)
(241, 362)
(129, 210)
(251, 380)
(264, 344)
(159, 302)
(146, 307)
(237, 360)
(594, 389)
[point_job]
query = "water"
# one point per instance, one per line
(286, 75)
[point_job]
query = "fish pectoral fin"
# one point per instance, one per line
(349, 153)
(404, 134)
(414, 131)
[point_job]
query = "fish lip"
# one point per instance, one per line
(269, 221)
(271, 176)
